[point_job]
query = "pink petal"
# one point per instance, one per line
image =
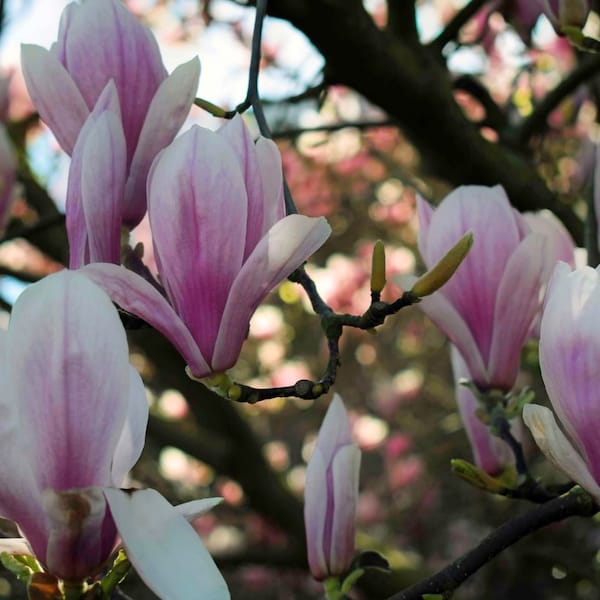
(103, 167)
(315, 514)
(198, 198)
(425, 213)
(517, 305)
(269, 161)
(75, 545)
(77, 228)
(335, 430)
(443, 314)
(164, 548)
(557, 448)
(132, 438)
(238, 137)
(167, 112)
(20, 498)
(54, 94)
(345, 471)
(570, 354)
(284, 248)
(137, 296)
(68, 334)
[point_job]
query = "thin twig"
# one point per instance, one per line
(444, 582)
(333, 325)
(253, 97)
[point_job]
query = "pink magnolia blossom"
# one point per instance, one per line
(488, 306)
(99, 41)
(221, 242)
(569, 358)
(74, 416)
(331, 495)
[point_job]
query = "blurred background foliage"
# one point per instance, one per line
(345, 158)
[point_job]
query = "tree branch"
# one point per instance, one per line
(411, 86)
(576, 503)
(537, 120)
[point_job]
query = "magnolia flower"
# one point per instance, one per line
(569, 358)
(331, 495)
(73, 419)
(221, 242)
(491, 454)
(488, 306)
(99, 41)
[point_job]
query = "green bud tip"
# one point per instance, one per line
(436, 277)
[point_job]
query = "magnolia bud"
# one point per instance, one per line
(378, 268)
(436, 277)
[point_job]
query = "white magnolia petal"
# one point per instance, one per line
(164, 548)
(55, 95)
(557, 448)
(15, 546)
(197, 508)
(131, 443)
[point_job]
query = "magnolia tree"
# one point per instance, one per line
(226, 231)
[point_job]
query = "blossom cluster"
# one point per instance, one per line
(74, 410)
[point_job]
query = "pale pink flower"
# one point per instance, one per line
(99, 41)
(221, 242)
(488, 306)
(569, 358)
(331, 496)
(73, 420)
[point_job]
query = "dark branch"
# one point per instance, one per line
(576, 503)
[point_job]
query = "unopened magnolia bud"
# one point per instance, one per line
(378, 267)
(436, 277)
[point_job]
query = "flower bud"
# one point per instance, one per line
(436, 277)
(331, 495)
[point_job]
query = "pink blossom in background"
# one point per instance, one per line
(73, 425)
(569, 358)
(221, 243)
(331, 495)
(488, 306)
(99, 41)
